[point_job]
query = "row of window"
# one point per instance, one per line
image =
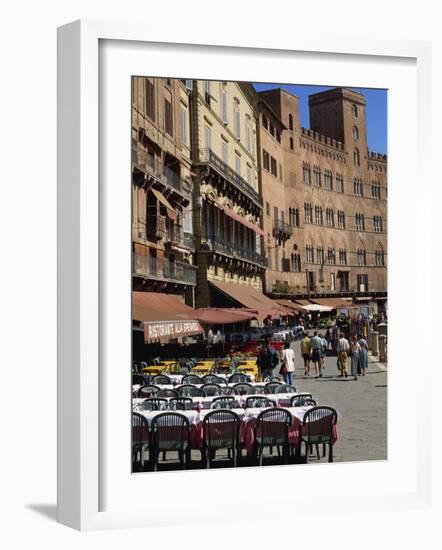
(318, 254)
(330, 218)
(224, 115)
(293, 215)
(358, 185)
(270, 164)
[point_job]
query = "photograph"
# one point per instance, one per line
(259, 274)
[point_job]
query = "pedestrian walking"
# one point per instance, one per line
(324, 349)
(316, 346)
(306, 353)
(354, 349)
(267, 360)
(363, 355)
(343, 349)
(288, 363)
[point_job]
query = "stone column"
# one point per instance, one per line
(382, 348)
(375, 343)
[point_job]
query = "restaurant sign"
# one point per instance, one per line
(169, 330)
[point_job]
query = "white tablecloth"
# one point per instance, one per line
(195, 417)
(281, 399)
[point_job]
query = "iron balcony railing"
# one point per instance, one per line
(150, 267)
(282, 228)
(207, 155)
(154, 166)
(235, 250)
(159, 229)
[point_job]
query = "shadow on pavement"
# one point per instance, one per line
(49, 511)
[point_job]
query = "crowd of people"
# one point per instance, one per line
(351, 351)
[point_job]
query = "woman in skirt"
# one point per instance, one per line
(363, 355)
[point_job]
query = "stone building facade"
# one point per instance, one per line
(227, 204)
(336, 203)
(162, 233)
(227, 186)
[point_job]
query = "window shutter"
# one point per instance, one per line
(224, 107)
(237, 124)
(183, 126)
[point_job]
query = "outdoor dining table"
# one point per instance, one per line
(248, 418)
(281, 399)
(178, 378)
(136, 387)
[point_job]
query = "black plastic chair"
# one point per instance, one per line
(161, 379)
(271, 386)
(260, 390)
(238, 377)
(259, 401)
(317, 427)
(212, 389)
(140, 441)
(148, 391)
(242, 388)
(213, 379)
(227, 390)
(153, 404)
(272, 429)
(170, 432)
(285, 388)
(302, 401)
(167, 393)
(192, 379)
(224, 402)
(221, 431)
(190, 391)
(181, 403)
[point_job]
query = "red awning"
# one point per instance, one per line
(241, 219)
(303, 302)
(252, 300)
(290, 305)
(223, 316)
(332, 302)
(169, 208)
(164, 316)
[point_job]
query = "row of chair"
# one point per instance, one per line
(188, 390)
(170, 431)
(163, 379)
(223, 402)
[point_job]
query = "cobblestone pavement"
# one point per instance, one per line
(363, 405)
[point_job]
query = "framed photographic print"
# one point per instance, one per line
(232, 263)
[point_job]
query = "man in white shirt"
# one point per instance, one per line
(288, 361)
(343, 348)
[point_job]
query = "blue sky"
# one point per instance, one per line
(376, 110)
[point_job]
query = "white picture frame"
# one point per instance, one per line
(82, 298)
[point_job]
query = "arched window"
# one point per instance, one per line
(360, 222)
(292, 145)
(377, 224)
(290, 122)
(355, 133)
(354, 110)
(356, 157)
(308, 212)
(379, 257)
(362, 257)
